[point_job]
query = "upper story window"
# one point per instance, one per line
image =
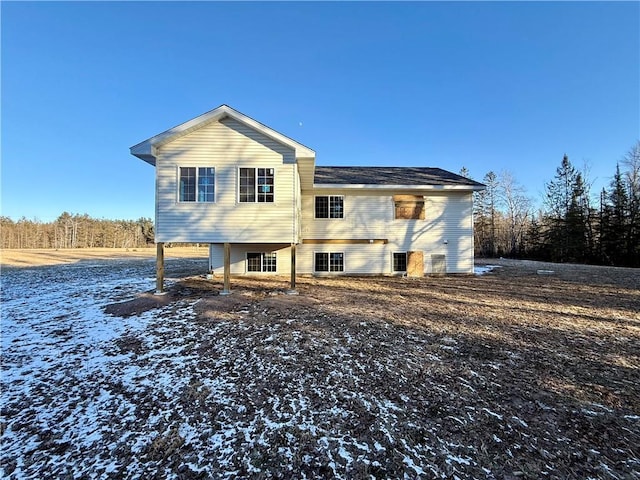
(409, 207)
(256, 185)
(196, 184)
(330, 206)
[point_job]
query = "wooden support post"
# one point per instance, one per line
(227, 270)
(293, 266)
(159, 268)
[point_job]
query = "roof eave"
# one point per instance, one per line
(368, 186)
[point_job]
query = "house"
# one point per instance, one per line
(264, 207)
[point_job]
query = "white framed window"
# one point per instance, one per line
(329, 262)
(329, 206)
(400, 261)
(261, 262)
(196, 184)
(256, 185)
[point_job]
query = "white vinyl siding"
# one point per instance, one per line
(240, 254)
(370, 215)
(226, 145)
(362, 259)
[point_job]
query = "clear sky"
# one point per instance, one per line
(490, 86)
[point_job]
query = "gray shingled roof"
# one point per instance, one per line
(390, 176)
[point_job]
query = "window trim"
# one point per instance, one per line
(262, 262)
(255, 170)
(196, 201)
(329, 271)
(329, 217)
(393, 266)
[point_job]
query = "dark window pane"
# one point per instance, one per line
(322, 262)
(399, 262)
(187, 189)
(247, 187)
(335, 206)
(254, 262)
(322, 207)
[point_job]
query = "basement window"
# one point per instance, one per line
(400, 262)
(329, 262)
(261, 262)
(196, 184)
(409, 207)
(256, 185)
(330, 206)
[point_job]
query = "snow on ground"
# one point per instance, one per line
(263, 386)
(89, 395)
(482, 269)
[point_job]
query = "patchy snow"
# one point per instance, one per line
(248, 391)
(484, 269)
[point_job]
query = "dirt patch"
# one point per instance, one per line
(188, 288)
(143, 303)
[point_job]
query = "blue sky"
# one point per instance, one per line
(490, 86)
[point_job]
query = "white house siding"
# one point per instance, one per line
(225, 145)
(369, 215)
(360, 259)
(239, 258)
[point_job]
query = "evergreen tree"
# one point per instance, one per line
(576, 225)
(560, 196)
(615, 220)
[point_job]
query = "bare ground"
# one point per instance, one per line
(531, 371)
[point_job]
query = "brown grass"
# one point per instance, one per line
(42, 256)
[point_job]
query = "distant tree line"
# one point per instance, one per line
(574, 223)
(75, 231)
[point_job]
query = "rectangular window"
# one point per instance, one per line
(196, 184)
(261, 262)
(247, 185)
(322, 262)
(330, 206)
(265, 185)
(206, 184)
(336, 262)
(256, 185)
(329, 262)
(400, 262)
(187, 184)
